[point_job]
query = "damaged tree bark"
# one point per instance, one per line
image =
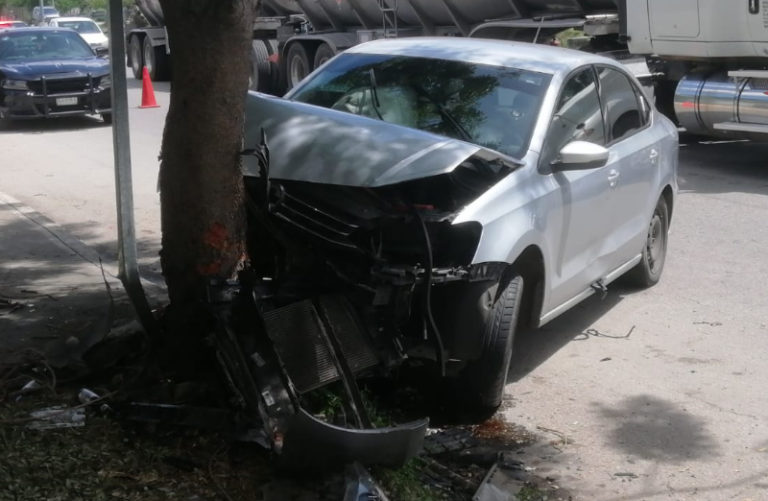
(203, 219)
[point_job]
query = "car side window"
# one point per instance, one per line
(577, 117)
(623, 113)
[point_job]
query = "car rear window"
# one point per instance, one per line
(79, 26)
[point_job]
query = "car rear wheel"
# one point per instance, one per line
(480, 385)
(106, 118)
(648, 271)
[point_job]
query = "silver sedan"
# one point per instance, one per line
(454, 190)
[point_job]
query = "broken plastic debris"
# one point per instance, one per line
(30, 387)
(57, 417)
(86, 396)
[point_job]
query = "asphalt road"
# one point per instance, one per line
(643, 395)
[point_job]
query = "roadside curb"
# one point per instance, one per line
(59, 234)
(63, 238)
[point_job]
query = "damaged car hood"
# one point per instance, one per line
(315, 144)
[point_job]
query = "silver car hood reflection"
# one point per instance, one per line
(320, 145)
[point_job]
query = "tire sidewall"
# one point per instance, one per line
(482, 381)
(653, 276)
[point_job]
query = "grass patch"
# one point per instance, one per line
(406, 483)
(104, 460)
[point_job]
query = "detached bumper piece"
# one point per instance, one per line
(271, 358)
(59, 96)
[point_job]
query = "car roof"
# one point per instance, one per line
(522, 55)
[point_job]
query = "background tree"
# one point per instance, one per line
(201, 190)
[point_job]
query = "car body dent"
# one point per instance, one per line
(365, 152)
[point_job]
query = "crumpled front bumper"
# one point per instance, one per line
(30, 104)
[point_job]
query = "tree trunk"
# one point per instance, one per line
(201, 190)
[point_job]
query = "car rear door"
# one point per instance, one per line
(634, 146)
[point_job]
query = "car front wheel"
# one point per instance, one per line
(481, 383)
(648, 271)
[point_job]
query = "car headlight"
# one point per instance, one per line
(15, 84)
(106, 81)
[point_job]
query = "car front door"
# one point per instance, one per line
(634, 146)
(580, 216)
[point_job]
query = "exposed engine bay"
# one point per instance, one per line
(346, 282)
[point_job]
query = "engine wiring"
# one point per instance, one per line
(428, 296)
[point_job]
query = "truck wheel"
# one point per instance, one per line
(648, 271)
(324, 53)
(276, 76)
(155, 60)
(261, 71)
(480, 385)
(137, 58)
(297, 64)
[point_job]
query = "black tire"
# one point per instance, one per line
(297, 64)
(648, 271)
(106, 118)
(156, 61)
(261, 70)
(480, 384)
(278, 87)
(323, 53)
(137, 56)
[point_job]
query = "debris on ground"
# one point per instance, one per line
(56, 417)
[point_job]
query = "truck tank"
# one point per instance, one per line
(154, 13)
(341, 14)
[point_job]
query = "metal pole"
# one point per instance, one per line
(127, 260)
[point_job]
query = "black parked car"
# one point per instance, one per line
(48, 72)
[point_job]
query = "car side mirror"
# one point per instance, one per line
(578, 155)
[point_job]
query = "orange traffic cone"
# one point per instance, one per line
(147, 93)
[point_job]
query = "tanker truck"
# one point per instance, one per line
(705, 62)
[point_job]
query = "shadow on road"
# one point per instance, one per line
(534, 346)
(53, 298)
(654, 429)
(43, 125)
(724, 167)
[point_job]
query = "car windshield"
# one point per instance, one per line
(41, 46)
(80, 26)
(492, 106)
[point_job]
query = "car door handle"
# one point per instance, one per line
(654, 155)
(613, 176)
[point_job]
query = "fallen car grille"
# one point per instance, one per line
(61, 85)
